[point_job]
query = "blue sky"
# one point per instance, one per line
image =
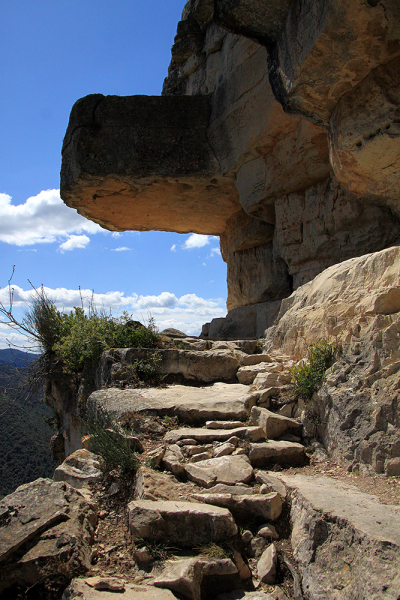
(53, 53)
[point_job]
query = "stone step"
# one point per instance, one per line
(206, 436)
(273, 424)
(261, 507)
(184, 524)
(228, 470)
(192, 405)
(345, 542)
(78, 589)
(266, 454)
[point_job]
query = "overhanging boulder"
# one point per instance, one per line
(144, 163)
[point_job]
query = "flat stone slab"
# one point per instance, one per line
(364, 511)
(346, 544)
(79, 589)
(79, 469)
(192, 405)
(276, 452)
(229, 470)
(205, 436)
(274, 425)
(266, 507)
(185, 524)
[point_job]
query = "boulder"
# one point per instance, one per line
(229, 470)
(276, 452)
(42, 521)
(124, 151)
(205, 436)
(188, 576)
(343, 540)
(184, 524)
(192, 405)
(79, 469)
(173, 460)
(266, 566)
(273, 425)
(78, 589)
(260, 507)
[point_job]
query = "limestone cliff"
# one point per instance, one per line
(283, 116)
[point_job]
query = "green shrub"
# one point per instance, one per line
(114, 449)
(308, 376)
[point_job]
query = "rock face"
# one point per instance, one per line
(278, 130)
(358, 304)
(343, 540)
(41, 521)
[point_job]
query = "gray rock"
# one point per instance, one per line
(256, 546)
(79, 469)
(173, 460)
(186, 576)
(273, 483)
(41, 520)
(192, 405)
(223, 424)
(78, 589)
(247, 536)
(205, 436)
(200, 457)
(344, 541)
(268, 531)
(185, 524)
(224, 450)
(260, 507)
(266, 566)
(276, 452)
(221, 488)
(226, 469)
(273, 424)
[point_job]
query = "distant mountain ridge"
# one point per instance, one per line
(15, 357)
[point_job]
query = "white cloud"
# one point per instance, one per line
(73, 242)
(41, 219)
(173, 248)
(196, 240)
(121, 249)
(187, 313)
(215, 251)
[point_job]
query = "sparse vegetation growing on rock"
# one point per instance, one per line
(308, 376)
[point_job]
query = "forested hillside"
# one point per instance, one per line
(24, 437)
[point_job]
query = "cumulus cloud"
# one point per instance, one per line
(173, 248)
(41, 219)
(73, 242)
(121, 249)
(187, 313)
(196, 240)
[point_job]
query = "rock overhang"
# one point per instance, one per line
(144, 163)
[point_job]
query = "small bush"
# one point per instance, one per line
(308, 376)
(110, 443)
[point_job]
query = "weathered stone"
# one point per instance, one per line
(268, 531)
(143, 555)
(223, 424)
(124, 151)
(344, 541)
(245, 321)
(266, 566)
(80, 469)
(222, 488)
(200, 457)
(278, 594)
(78, 589)
(271, 379)
(256, 546)
(365, 136)
(112, 584)
(243, 569)
(186, 576)
(226, 469)
(173, 460)
(256, 19)
(312, 67)
(267, 507)
(255, 359)
(191, 405)
(43, 519)
(276, 452)
(155, 456)
(247, 374)
(205, 436)
(312, 227)
(185, 524)
(355, 303)
(160, 485)
(274, 483)
(224, 450)
(274, 425)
